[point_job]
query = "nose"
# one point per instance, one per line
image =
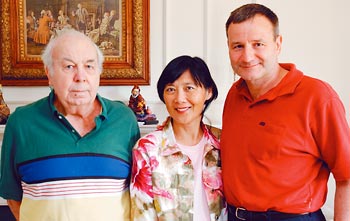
(180, 96)
(80, 75)
(247, 54)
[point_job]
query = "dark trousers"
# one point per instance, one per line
(315, 216)
(5, 214)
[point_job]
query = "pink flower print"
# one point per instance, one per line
(141, 173)
(145, 143)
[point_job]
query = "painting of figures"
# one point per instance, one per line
(120, 28)
(100, 20)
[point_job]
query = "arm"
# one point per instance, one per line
(14, 207)
(10, 186)
(142, 207)
(342, 201)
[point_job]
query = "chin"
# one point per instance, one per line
(80, 101)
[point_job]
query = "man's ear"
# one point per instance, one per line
(48, 74)
(279, 43)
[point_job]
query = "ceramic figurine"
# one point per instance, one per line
(138, 104)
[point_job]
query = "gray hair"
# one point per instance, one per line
(46, 56)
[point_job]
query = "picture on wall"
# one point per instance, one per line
(120, 28)
(100, 20)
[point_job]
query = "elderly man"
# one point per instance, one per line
(67, 156)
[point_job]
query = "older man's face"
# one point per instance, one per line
(76, 75)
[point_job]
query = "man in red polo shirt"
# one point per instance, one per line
(283, 132)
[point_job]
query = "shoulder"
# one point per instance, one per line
(212, 134)
(152, 137)
(30, 113)
(317, 88)
(117, 111)
(214, 131)
(115, 105)
(305, 83)
(37, 107)
(149, 144)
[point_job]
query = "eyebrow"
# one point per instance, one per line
(252, 41)
(88, 61)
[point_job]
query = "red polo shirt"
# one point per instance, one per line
(278, 150)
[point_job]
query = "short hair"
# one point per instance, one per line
(46, 56)
(198, 69)
(248, 11)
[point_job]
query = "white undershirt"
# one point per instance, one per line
(200, 204)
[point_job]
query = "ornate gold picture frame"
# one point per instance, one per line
(119, 27)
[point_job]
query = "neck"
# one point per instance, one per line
(81, 118)
(189, 134)
(262, 86)
(83, 110)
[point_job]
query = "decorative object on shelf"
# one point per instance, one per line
(4, 109)
(138, 105)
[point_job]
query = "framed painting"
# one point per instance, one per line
(119, 27)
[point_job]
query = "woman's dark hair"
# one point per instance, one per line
(248, 11)
(197, 68)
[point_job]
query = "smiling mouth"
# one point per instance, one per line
(182, 109)
(249, 66)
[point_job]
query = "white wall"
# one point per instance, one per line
(315, 38)
(315, 34)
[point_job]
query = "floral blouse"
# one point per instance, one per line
(163, 178)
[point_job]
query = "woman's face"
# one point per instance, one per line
(184, 100)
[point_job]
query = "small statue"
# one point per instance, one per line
(4, 109)
(138, 104)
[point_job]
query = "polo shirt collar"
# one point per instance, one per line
(287, 85)
(104, 112)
